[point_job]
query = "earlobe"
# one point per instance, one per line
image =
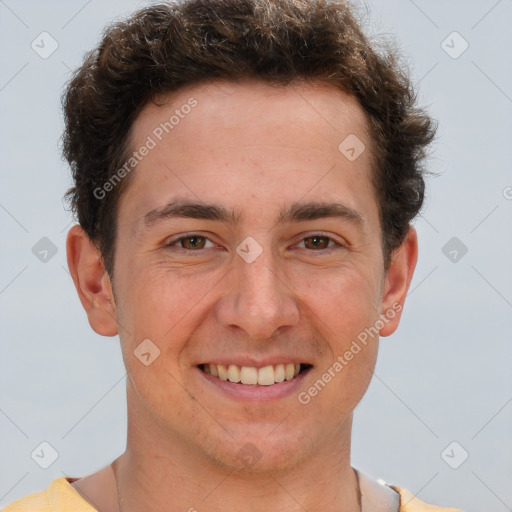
(397, 281)
(91, 281)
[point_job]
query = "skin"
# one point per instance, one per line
(255, 149)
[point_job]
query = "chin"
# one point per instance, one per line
(260, 454)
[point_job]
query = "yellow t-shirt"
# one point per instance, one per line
(62, 497)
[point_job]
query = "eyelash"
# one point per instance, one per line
(174, 243)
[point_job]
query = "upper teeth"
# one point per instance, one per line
(264, 376)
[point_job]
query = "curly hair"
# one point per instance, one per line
(166, 47)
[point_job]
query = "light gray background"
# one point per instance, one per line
(444, 376)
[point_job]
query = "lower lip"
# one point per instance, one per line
(256, 392)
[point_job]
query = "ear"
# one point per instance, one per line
(91, 281)
(396, 282)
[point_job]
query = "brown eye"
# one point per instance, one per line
(188, 244)
(317, 242)
(196, 242)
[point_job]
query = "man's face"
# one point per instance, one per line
(255, 289)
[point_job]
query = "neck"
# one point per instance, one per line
(168, 475)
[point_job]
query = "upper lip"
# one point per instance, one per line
(254, 362)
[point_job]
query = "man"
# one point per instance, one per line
(245, 176)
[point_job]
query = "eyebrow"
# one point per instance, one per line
(296, 212)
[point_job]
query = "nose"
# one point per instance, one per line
(258, 300)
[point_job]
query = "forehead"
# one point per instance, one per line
(259, 140)
(250, 102)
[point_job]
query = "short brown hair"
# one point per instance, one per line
(165, 47)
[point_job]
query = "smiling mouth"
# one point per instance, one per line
(253, 376)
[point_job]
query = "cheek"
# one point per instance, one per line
(344, 302)
(343, 384)
(157, 300)
(165, 306)
(154, 312)
(345, 309)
